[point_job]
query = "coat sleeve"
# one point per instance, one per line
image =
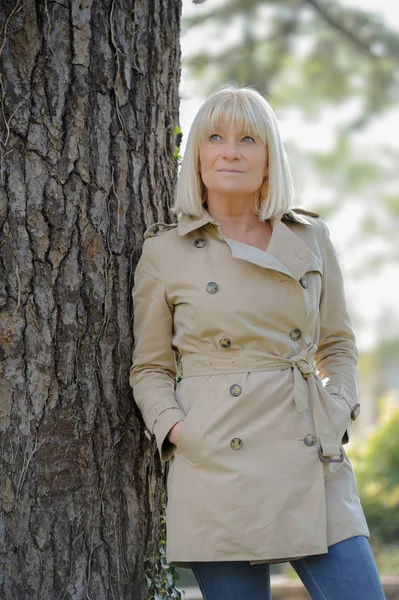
(153, 372)
(337, 354)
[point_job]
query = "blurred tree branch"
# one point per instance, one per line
(339, 24)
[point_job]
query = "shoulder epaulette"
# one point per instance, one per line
(158, 228)
(309, 213)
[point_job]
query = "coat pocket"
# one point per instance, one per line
(194, 396)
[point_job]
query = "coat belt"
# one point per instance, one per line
(307, 385)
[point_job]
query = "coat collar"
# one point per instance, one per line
(188, 223)
(287, 247)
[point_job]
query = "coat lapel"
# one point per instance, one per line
(291, 251)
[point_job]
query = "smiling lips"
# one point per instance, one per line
(229, 171)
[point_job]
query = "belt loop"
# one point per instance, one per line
(330, 458)
(330, 448)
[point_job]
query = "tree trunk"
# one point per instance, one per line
(88, 109)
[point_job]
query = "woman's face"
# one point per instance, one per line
(232, 162)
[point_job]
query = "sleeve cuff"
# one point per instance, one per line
(162, 426)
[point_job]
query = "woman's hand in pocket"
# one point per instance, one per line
(173, 435)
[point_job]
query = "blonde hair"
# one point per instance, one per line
(247, 109)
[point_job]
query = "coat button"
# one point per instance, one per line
(212, 287)
(200, 242)
(355, 412)
(295, 334)
(225, 343)
(236, 443)
(303, 283)
(235, 390)
(309, 439)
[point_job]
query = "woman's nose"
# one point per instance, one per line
(231, 150)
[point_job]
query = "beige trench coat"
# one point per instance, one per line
(268, 391)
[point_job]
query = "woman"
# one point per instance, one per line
(244, 298)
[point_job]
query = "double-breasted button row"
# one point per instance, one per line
(237, 443)
(200, 242)
(212, 287)
(295, 334)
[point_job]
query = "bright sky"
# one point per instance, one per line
(372, 302)
(389, 9)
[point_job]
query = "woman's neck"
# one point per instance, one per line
(234, 217)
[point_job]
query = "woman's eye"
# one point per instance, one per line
(248, 138)
(214, 137)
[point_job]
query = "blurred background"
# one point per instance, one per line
(330, 70)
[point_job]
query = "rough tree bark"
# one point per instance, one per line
(88, 107)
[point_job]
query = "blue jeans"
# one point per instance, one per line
(346, 572)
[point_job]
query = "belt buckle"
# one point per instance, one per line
(331, 459)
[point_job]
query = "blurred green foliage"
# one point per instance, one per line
(178, 138)
(387, 558)
(376, 464)
(161, 578)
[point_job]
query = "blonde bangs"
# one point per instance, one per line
(237, 111)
